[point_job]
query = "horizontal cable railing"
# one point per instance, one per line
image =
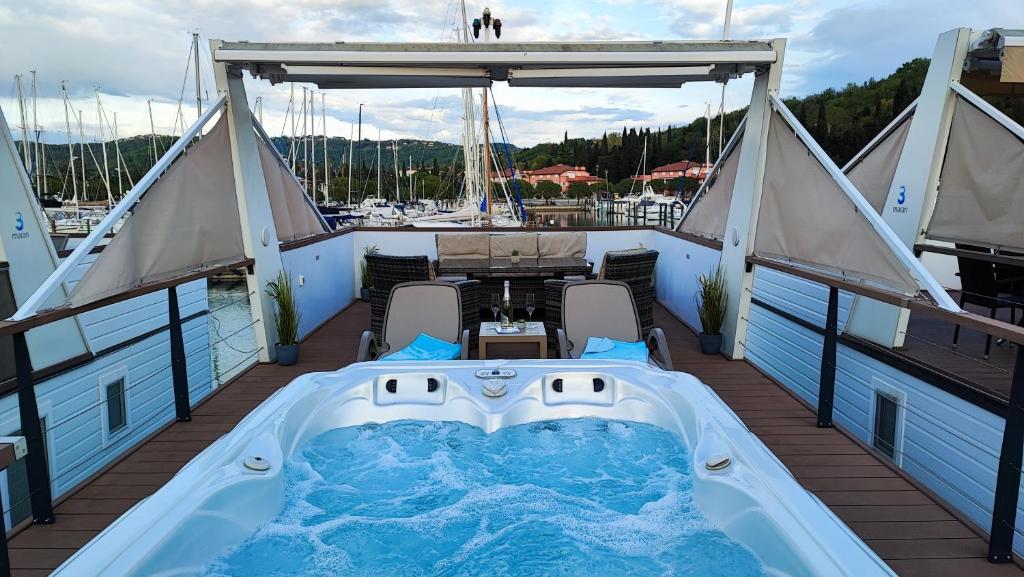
(1004, 508)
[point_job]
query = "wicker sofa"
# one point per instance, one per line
(482, 247)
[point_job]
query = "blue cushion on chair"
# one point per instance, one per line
(426, 348)
(607, 349)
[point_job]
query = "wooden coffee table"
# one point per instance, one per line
(534, 333)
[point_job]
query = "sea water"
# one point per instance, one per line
(581, 497)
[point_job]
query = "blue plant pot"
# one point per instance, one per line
(710, 344)
(287, 355)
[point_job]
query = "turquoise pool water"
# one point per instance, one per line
(581, 497)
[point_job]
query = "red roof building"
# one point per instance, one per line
(561, 174)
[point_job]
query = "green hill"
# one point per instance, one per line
(842, 120)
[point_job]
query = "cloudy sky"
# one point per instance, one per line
(135, 51)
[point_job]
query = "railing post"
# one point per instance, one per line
(5, 557)
(1004, 506)
(179, 369)
(827, 380)
(35, 461)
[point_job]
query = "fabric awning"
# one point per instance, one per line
(874, 173)
(806, 218)
(1013, 64)
(293, 216)
(188, 220)
(981, 189)
(709, 215)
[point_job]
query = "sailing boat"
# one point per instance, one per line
(646, 197)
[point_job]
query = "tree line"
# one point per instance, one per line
(842, 120)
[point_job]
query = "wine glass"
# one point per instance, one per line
(530, 305)
(495, 305)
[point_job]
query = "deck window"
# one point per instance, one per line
(885, 426)
(116, 410)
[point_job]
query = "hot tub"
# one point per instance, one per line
(220, 499)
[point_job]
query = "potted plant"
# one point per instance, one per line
(515, 256)
(286, 318)
(364, 292)
(712, 300)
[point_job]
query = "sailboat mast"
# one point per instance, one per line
(152, 129)
(378, 164)
(312, 139)
(71, 148)
(291, 110)
(25, 159)
(409, 170)
(487, 161)
(349, 173)
(40, 179)
(305, 143)
(394, 152)
(81, 152)
(117, 160)
(327, 172)
(199, 93)
(721, 109)
(103, 147)
(707, 137)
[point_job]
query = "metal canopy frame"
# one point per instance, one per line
(660, 64)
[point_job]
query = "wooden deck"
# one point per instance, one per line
(913, 533)
(930, 341)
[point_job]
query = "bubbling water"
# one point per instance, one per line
(580, 497)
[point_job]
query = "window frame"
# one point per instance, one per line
(103, 382)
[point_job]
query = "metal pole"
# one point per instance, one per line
(1004, 506)
(199, 97)
(71, 147)
(35, 461)
(827, 384)
(35, 143)
(152, 129)
(179, 369)
(349, 175)
(327, 164)
(5, 556)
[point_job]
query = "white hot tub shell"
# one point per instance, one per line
(216, 502)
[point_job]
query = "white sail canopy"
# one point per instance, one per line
(806, 218)
(710, 212)
(981, 191)
(188, 220)
(873, 174)
(293, 215)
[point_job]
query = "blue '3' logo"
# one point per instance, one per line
(903, 195)
(19, 222)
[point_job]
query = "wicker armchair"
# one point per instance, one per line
(635, 268)
(386, 271)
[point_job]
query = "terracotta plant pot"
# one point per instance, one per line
(710, 344)
(287, 355)
(515, 259)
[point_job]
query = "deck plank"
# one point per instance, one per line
(914, 534)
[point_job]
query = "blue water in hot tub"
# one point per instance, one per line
(581, 497)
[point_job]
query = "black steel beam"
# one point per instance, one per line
(179, 368)
(1004, 506)
(827, 380)
(38, 473)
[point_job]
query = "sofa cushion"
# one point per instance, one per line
(562, 244)
(502, 245)
(462, 245)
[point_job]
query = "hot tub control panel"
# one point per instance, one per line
(496, 374)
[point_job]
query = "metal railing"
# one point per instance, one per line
(1008, 475)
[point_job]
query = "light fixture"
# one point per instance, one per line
(476, 28)
(487, 17)
(497, 27)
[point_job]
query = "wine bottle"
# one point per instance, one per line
(506, 308)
